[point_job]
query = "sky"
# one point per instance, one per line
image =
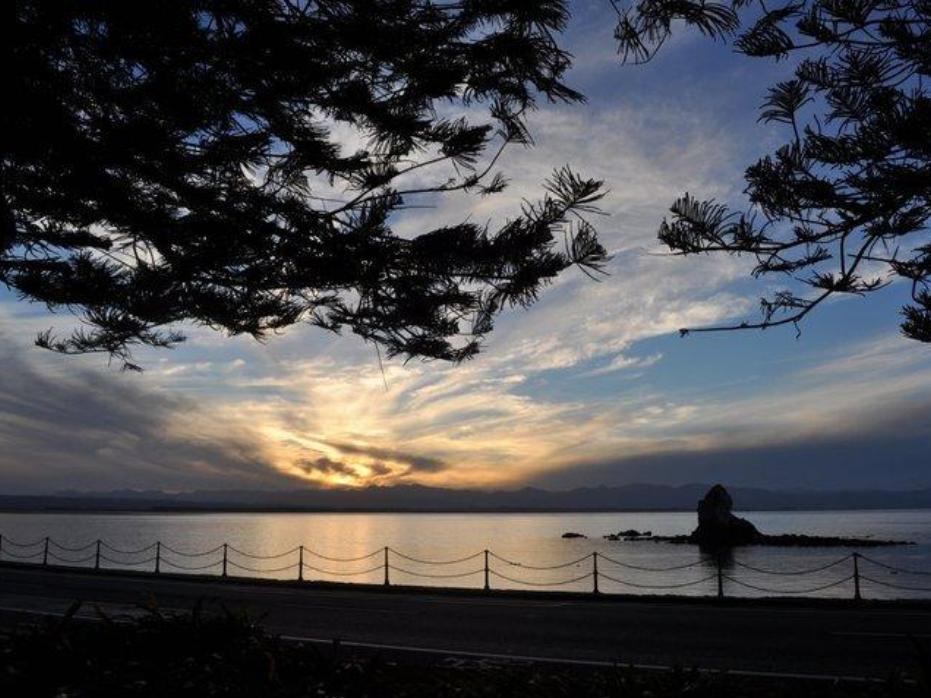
(590, 386)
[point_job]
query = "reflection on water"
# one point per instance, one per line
(349, 547)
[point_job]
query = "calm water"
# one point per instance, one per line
(531, 539)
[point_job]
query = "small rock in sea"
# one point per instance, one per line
(572, 534)
(631, 534)
(634, 533)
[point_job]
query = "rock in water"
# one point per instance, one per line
(717, 525)
(718, 528)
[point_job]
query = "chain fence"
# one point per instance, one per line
(713, 575)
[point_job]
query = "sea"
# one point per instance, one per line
(524, 550)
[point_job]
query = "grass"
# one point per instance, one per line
(222, 653)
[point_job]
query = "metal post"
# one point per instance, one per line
(487, 585)
(45, 552)
(595, 573)
(97, 556)
(158, 556)
(720, 576)
(387, 581)
(856, 577)
(224, 559)
(300, 564)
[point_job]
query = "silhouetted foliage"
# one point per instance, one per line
(239, 164)
(843, 207)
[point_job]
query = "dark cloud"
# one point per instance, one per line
(883, 447)
(380, 470)
(323, 466)
(415, 463)
(326, 466)
(62, 427)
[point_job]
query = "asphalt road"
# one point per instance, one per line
(810, 639)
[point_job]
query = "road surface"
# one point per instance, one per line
(803, 638)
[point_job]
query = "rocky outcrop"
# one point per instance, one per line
(717, 525)
(573, 534)
(718, 528)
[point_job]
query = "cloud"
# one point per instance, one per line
(89, 429)
(358, 464)
(435, 424)
(414, 463)
(860, 416)
(622, 362)
(325, 465)
(324, 468)
(887, 450)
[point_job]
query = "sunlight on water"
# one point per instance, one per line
(532, 540)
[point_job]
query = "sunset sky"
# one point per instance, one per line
(590, 386)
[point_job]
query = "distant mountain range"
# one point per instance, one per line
(417, 498)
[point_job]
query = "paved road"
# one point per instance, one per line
(797, 639)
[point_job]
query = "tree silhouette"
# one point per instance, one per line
(240, 164)
(843, 207)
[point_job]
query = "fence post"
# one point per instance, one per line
(487, 585)
(856, 577)
(224, 559)
(97, 556)
(158, 556)
(595, 573)
(45, 552)
(720, 576)
(387, 580)
(300, 564)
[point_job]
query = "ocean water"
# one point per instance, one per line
(350, 547)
